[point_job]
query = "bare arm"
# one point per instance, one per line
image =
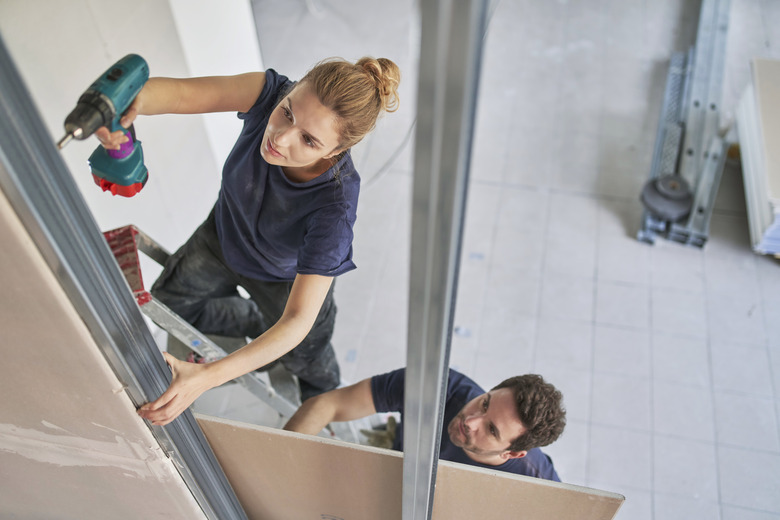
(343, 404)
(189, 96)
(200, 95)
(190, 380)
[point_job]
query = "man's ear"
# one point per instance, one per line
(514, 454)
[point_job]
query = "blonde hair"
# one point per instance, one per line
(357, 93)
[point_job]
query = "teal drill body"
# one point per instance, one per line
(122, 172)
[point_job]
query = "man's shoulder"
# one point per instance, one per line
(398, 374)
(459, 386)
(458, 379)
(536, 463)
(387, 391)
(461, 389)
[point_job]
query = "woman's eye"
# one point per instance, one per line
(287, 113)
(485, 405)
(308, 141)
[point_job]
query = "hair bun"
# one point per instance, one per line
(387, 76)
(356, 92)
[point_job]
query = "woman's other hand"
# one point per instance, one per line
(187, 384)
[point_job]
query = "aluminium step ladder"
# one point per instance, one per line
(690, 148)
(125, 242)
(282, 394)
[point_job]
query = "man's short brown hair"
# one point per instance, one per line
(540, 409)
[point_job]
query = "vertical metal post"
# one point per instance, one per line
(450, 57)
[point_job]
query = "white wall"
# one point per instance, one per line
(61, 46)
(218, 38)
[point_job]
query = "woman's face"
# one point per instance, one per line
(301, 131)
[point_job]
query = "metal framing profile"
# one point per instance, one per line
(42, 192)
(450, 58)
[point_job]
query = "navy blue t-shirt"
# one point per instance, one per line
(271, 228)
(388, 393)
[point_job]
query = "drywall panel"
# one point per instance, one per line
(469, 492)
(758, 122)
(71, 444)
(280, 475)
(766, 78)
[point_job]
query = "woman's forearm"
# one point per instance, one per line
(277, 341)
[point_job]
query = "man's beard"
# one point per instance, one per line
(454, 432)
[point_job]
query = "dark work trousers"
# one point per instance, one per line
(198, 285)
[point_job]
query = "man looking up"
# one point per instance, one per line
(501, 429)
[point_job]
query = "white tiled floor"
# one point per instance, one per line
(668, 355)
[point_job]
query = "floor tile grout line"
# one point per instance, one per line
(768, 351)
(774, 381)
(594, 277)
(651, 369)
(365, 333)
(711, 372)
(491, 257)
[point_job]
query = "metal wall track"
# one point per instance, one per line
(42, 192)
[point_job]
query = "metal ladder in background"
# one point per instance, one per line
(125, 243)
(690, 152)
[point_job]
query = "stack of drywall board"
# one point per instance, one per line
(758, 124)
(280, 474)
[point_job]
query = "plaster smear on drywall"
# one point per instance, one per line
(59, 448)
(71, 443)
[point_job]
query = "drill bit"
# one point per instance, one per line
(65, 140)
(73, 131)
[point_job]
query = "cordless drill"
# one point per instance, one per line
(122, 172)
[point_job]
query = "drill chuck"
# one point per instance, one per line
(92, 111)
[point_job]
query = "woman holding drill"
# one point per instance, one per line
(282, 224)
